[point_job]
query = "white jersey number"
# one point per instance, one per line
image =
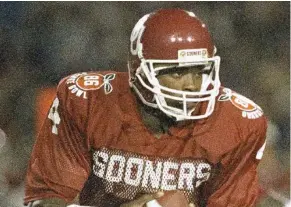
(91, 80)
(54, 115)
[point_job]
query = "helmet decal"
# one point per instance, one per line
(192, 54)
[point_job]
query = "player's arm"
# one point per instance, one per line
(52, 202)
(49, 202)
(60, 160)
(56, 202)
(237, 184)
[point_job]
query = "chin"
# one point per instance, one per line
(179, 105)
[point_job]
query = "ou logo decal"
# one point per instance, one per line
(243, 103)
(95, 81)
(249, 109)
(90, 82)
(80, 83)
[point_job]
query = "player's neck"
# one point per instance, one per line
(157, 122)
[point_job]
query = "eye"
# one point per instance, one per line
(204, 72)
(199, 74)
(177, 74)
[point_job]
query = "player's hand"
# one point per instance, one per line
(141, 201)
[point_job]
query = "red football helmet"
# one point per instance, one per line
(172, 36)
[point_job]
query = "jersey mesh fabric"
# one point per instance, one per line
(120, 176)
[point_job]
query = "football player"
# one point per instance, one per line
(173, 128)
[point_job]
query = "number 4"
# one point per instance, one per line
(54, 115)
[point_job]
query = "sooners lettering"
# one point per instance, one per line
(136, 170)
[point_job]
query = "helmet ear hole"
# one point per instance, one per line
(214, 75)
(133, 63)
(146, 94)
(212, 72)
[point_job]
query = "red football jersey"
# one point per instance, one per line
(94, 142)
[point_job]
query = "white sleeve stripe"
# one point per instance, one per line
(261, 152)
(153, 203)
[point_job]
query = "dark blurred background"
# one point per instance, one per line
(41, 42)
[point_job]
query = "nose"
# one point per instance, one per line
(190, 83)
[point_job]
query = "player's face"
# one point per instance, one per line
(187, 78)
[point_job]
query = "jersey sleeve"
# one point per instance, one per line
(237, 183)
(60, 160)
